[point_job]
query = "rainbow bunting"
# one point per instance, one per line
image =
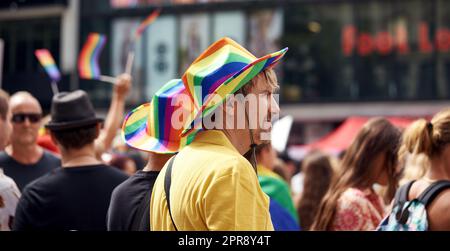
(47, 61)
(88, 61)
(149, 20)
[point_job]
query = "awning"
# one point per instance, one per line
(339, 139)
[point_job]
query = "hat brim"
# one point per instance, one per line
(231, 86)
(61, 126)
(135, 133)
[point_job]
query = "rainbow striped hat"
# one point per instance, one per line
(157, 126)
(221, 69)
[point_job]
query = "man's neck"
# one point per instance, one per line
(156, 162)
(84, 156)
(25, 154)
(240, 139)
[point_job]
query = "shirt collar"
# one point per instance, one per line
(214, 137)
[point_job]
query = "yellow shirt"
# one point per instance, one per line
(213, 188)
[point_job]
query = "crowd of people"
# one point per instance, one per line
(141, 172)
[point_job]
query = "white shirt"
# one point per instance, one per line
(9, 197)
(297, 183)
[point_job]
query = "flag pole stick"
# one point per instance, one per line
(130, 60)
(54, 88)
(108, 79)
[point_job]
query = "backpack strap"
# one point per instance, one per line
(167, 183)
(433, 191)
(401, 197)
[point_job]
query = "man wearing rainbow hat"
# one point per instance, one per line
(209, 185)
(149, 128)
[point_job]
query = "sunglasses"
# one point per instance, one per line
(32, 117)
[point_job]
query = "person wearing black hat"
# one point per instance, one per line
(76, 196)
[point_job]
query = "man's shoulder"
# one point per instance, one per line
(114, 173)
(205, 157)
(4, 157)
(51, 157)
(135, 185)
(46, 183)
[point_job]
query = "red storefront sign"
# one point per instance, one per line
(384, 43)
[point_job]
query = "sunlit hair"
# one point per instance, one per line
(318, 173)
(378, 136)
(268, 76)
(428, 138)
(422, 141)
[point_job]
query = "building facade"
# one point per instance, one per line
(346, 58)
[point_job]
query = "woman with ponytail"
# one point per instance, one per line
(432, 140)
(351, 203)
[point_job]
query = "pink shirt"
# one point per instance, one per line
(358, 210)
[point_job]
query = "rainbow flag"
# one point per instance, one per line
(282, 210)
(88, 67)
(149, 20)
(47, 61)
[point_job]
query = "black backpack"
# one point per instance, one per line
(411, 215)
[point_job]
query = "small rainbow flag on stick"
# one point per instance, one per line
(47, 61)
(144, 25)
(88, 67)
(140, 30)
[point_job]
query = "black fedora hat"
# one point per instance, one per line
(72, 110)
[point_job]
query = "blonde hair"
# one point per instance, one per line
(415, 167)
(428, 138)
(268, 77)
(421, 142)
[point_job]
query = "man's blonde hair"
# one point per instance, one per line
(268, 76)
